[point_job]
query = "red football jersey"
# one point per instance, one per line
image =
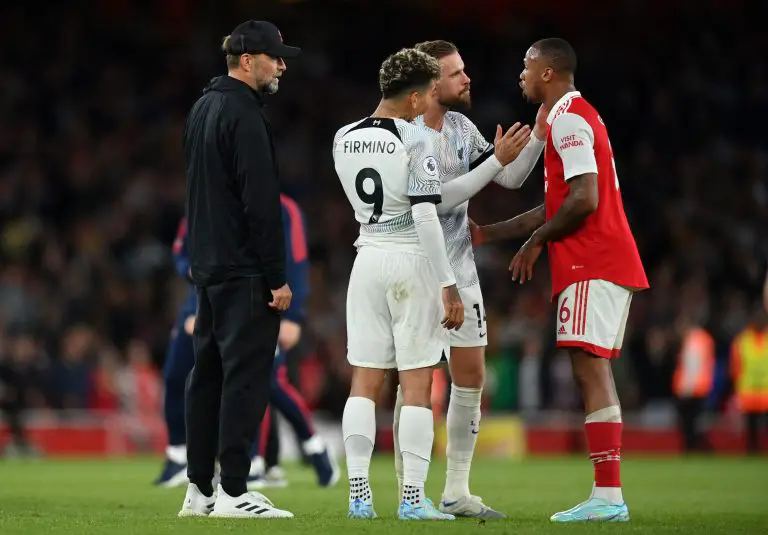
(603, 247)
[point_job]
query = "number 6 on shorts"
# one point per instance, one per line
(592, 315)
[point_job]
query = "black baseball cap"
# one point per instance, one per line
(257, 37)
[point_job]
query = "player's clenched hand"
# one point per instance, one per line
(477, 234)
(508, 146)
(522, 264)
(453, 307)
(281, 298)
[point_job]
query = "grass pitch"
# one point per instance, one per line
(115, 497)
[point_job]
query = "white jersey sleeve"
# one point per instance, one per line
(424, 192)
(512, 175)
(515, 173)
(573, 140)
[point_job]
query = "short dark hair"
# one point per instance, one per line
(437, 49)
(559, 53)
(407, 70)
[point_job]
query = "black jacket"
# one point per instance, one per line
(234, 216)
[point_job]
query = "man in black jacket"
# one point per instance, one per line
(237, 257)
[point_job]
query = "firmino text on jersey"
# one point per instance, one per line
(369, 147)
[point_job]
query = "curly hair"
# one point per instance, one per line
(407, 70)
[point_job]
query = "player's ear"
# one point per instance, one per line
(246, 62)
(546, 74)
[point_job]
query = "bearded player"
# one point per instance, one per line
(462, 151)
(593, 258)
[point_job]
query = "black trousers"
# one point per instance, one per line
(228, 388)
(753, 421)
(689, 410)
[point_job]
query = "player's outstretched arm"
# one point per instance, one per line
(574, 142)
(578, 205)
(514, 175)
(507, 147)
(520, 226)
(581, 201)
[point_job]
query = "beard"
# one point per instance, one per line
(271, 87)
(460, 102)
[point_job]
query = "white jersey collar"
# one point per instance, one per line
(565, 98)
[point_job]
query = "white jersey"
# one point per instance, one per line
(460, 148)
(383, 164)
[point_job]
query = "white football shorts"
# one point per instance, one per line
(592, 315)
(394, 309)
(474, 331)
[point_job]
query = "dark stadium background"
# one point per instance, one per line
(93, 97)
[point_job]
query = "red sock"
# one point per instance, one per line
(604, 440)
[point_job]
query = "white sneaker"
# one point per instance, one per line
(469, 506)
(196, 503)
(247, 505)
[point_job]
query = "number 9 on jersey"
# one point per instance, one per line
(376, 197)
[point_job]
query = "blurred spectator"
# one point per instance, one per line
(693, 378)
(21, 387)
(749, 368)
(71, 373)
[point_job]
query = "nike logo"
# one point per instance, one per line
(482, 334)
(448, 504)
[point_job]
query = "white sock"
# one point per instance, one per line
(257, 466)
(396, 433)
(358, 426)
(610, 494)
(177, 454)
(463, 426)
(417, 435)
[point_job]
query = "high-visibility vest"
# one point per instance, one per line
(749, 368)
(695, 365)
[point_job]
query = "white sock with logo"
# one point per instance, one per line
(417, 434)
(358, 427)
(463, 426)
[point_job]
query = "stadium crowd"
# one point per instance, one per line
(92, 183)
